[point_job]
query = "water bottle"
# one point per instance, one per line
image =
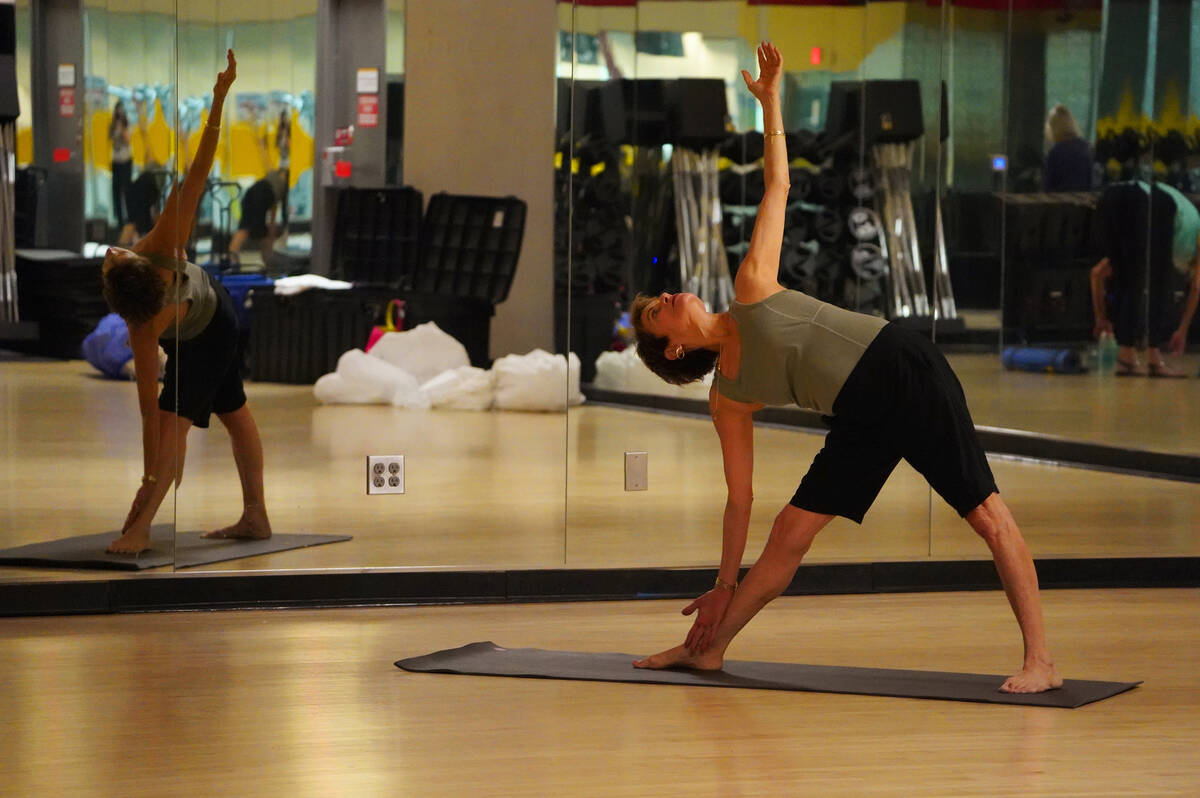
(1106, 354)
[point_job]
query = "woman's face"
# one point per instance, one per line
(116, 255)
(673, 315)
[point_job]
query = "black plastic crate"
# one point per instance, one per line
(26, 189)
(377, 235)
(467, 320)
(470, 246)
(62, 292)
(296, 339)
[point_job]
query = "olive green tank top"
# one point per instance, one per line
(193, 286)
(796, 350)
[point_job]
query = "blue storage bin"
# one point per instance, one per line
(239, 286)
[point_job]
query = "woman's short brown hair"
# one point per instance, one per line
(652, 349)
(134, 290)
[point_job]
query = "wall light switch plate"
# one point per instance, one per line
(385, 473)
(635, 471)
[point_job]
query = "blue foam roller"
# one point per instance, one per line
(1032, 358)
(107, 346)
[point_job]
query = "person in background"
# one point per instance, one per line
(141, 200)
(283, 138)
(1130, 297)
(1069, 162)
(122, 161)
(259, 206)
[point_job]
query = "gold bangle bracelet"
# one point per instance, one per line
(149, 479)
(211, 126)
(721, 584)
(770, 133)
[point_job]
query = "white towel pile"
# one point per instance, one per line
(426, 368)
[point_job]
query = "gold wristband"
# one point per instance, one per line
(149, 479)
(721, 584)
(211, 126)
(770, 133)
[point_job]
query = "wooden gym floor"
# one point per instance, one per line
(307, 703)
(489, 490)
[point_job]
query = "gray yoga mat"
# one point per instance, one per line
(489, 659)
(185, 550)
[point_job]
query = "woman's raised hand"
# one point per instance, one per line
(225, 79)
(770, 68)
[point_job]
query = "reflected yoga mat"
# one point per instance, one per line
(185, 550)
(489, 659)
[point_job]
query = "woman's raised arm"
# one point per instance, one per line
(174, 226)
(758, 275)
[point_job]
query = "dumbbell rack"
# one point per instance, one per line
(815, 228)
(8, 269)
(703, 265)
(906, 278)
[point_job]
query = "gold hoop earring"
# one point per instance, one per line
(679, 352)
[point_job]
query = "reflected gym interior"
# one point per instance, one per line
(433, 217)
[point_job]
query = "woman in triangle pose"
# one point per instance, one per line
(890, 395)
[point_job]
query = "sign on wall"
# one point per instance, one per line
(368, 81)
(368, 110)
(66, 101)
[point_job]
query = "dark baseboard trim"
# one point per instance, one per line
(153, 593)
(18, 331)
(1005, 442)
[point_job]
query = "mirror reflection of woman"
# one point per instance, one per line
(283, 138)
(163, 297)
(122, 160)
(889, 392)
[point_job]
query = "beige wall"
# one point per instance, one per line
(479, 119)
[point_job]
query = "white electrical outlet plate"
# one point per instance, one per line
(385, 473)
(635, 471)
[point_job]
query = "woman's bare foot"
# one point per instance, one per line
(680, 657)
(1035, 677)
(1131, 368)
(135, 540)
(1164, 369)
(253, 525)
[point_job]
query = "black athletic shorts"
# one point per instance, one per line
(902, 400)
(208, 368)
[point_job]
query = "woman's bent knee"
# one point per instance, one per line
(794, 529)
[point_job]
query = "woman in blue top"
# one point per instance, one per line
(890, 395)
(163, 297)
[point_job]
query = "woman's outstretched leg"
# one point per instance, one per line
(995, 524)
(248, 454)
(791, 536)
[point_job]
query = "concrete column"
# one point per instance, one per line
(57, 30)
(479, 119)
(351, 35)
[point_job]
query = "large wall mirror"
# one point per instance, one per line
(668, 175)
(998, 247)
(311, 146)
(1045, 175)
(1011, 179)
(478, 456)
